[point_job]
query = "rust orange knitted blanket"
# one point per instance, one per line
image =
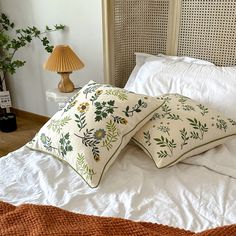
(32, 220)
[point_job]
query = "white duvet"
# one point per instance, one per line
(195, 195)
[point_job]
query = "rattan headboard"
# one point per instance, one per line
(204, 29)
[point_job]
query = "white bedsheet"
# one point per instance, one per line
(188, 196)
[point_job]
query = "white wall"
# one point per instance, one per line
(83, 20)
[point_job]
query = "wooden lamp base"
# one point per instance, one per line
(65, 85)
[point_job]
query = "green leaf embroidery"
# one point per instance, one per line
(136, 108)
(89, 140)
(164, 129)
(167, 99)
(47, 142)
(164, 142)
(173, 117)
(204, 110)
(166, 112)
(56, 125)
(91, 88)
(96, 153)
(112, 134)
(183, 99)
(73, 98)
(162, 154)
(96, 96)
(84, 168)
(194, 135)
(221, 124)
(147, 138)
(232, 121)
(120, 120)
(185, 107)
(166, 109)
(81, 120)
(188, 108)
(71, 102)
(69, 106)
(156, 116)
(121, 94)
(103, 109)
(184, 136)
(199, 126)
(65, 144)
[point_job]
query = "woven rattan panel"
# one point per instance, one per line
(208, 29)
(139, 26)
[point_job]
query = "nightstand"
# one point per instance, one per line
(60, 98)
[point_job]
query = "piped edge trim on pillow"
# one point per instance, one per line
(228, 137)
(116, 152)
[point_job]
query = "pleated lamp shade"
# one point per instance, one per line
(63, 61)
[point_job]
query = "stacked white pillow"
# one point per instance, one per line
(200, 80)
(141, 58)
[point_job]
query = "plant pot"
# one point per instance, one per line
(8, 122)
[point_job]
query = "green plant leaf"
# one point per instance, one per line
(10, 45)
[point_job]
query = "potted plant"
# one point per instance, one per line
(8, 48)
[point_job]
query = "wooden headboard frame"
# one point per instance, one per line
(197, 28)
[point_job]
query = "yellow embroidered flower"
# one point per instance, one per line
(123, 121)
(98, 92)
(83, 107)
(99, 134)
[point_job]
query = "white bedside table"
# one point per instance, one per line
(60, 98)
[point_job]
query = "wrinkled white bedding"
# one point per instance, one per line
(187, 195)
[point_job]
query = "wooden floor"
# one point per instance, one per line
(26, 129)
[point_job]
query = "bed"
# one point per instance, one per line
(196, 191)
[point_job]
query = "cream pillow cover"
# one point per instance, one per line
(182, 128)
(94, 126)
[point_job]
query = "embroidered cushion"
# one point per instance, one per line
(93, 127)
(182, 128)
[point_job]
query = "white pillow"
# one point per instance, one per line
(208, 84)
(141, 58)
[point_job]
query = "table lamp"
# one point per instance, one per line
(63, 61)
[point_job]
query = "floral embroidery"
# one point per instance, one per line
(69, 106)
(147, 137)
(83, 107)
(121, 94)
(84, 168)
(99, 134)
(57, 124)
(96, 96)
(103, 109)
(120, 120)
(136, 108)
(46, 142)
(65, 144)
(112, 135)
(93, 127)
